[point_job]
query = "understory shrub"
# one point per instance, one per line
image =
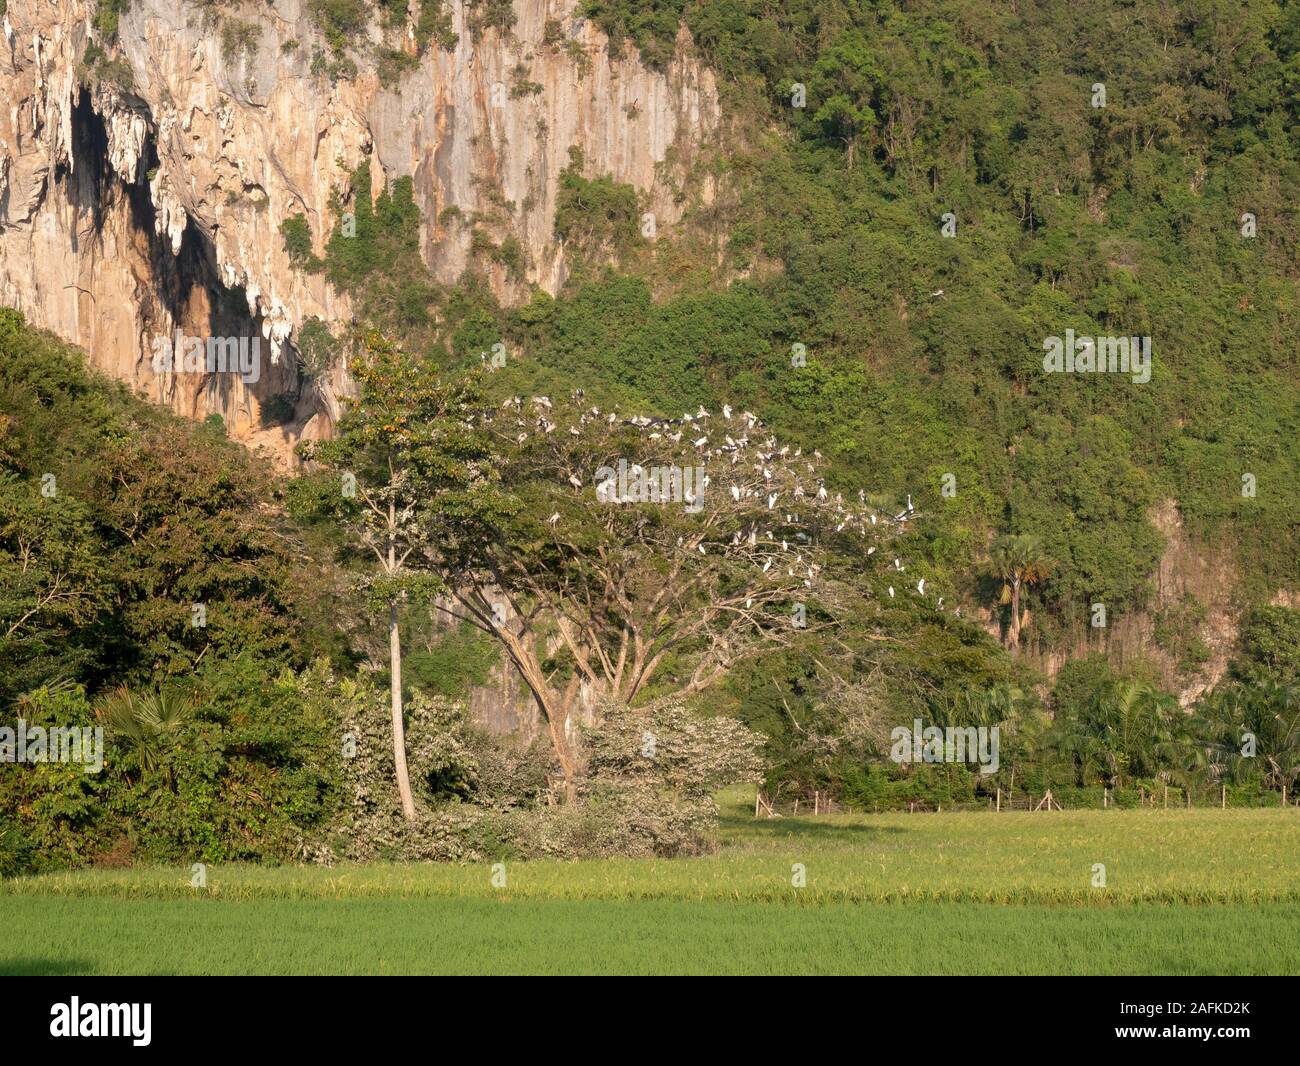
(649, 789)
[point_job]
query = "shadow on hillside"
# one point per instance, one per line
(45, 967)
(738, 827)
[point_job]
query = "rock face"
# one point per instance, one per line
(143, 194)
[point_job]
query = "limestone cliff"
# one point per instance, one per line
(143, 192)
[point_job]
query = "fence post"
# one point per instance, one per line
(1105, 798)
(1166, 797)
(757, 797)
(999, 806)
(1223, 797)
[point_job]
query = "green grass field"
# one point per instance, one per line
(1188, 892)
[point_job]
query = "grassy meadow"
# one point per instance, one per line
(1186, 892)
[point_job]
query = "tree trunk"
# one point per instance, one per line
(554, 707)
(1013, 634)
(562, 752)
(399, 729)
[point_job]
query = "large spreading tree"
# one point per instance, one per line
(638, 552)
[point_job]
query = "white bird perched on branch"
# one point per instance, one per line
(891, 592)
(554, 518)
(920, 586)
(701, 442)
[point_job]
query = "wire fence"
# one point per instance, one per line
(1171, 797)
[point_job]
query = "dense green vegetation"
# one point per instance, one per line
(142, 553)
(118, 520)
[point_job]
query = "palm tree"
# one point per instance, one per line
(1019, 560)
(1124, 729)
(1270, 713)
(1000, 704)
(147, 720)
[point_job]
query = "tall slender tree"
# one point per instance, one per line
(406, 440)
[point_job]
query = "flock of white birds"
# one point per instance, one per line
(734, 438)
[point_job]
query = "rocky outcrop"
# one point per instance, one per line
(144, 193)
